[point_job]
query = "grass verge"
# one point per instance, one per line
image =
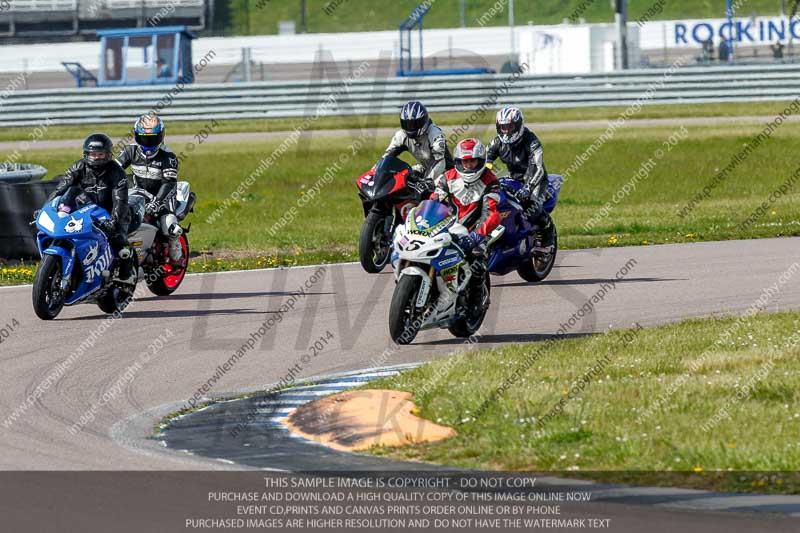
(623, 419)
(118, 131)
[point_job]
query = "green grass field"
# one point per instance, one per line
(616, 422)
(443, 119)
(245, 16)
(326, 227)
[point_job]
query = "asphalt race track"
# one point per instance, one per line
(212, 315)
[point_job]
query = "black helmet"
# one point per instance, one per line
(414, 119)
(98, 150)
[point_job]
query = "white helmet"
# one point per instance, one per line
(509, 124)
(470, 160)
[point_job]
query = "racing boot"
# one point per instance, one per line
(126, 274)
(476, 295)
(175, 247)
(545, 231)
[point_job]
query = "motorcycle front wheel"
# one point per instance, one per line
(374, 243)
(403, 321)
(467, 326)
(168, 277)
(48, 298)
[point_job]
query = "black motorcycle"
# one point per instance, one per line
(387, 192)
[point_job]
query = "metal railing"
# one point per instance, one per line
(380, 96)
(42, 5)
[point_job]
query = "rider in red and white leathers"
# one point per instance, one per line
(474, 191)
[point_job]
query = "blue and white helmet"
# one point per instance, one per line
(148, 132)
(509, 122)
(414, 119)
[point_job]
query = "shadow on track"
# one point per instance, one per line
(505, 338)
(178, 313)
(586, 281)
(227, 295)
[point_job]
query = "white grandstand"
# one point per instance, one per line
(72, 17)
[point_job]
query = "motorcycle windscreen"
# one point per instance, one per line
(390, 165)
(431, 217)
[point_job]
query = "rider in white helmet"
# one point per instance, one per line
(521, 151)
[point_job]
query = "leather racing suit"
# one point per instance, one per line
(525, 162)
(429, 149)
(158, 175)
(106, 187)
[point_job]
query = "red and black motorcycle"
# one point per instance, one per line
(387, 195)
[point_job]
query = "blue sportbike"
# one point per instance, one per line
(520, 247)
(77, 262)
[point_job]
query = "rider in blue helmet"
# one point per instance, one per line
(155, 169)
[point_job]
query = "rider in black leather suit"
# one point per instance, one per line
(99, 180)
(521, 151)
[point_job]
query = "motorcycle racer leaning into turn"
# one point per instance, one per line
(521, 151)
(474, 191)
(426, 142)
(155, 169)
(99, 180)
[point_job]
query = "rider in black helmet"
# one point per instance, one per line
(426, 142)
(99, 180)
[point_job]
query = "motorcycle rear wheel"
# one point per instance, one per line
(48, 299)
(118, 295)
(372, 255)
(539, 266)
(403, 322)
(115, 300)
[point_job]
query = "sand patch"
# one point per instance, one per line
(357, 420)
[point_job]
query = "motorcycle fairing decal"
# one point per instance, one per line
(75, 225)
(446, 260)
(424, 289)
(400, 180)
(414, 227)
(101, 263)
(365, 178)
(450, 276)
(91, 255)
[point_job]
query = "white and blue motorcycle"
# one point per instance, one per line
(433, 276)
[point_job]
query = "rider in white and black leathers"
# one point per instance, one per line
(426, 142)
(521, 151)
(155, 169)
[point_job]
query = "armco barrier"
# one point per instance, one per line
(362, 96)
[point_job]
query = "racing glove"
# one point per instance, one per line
(107, 226)
(471, 241)
(524, 194)
(151, 208)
